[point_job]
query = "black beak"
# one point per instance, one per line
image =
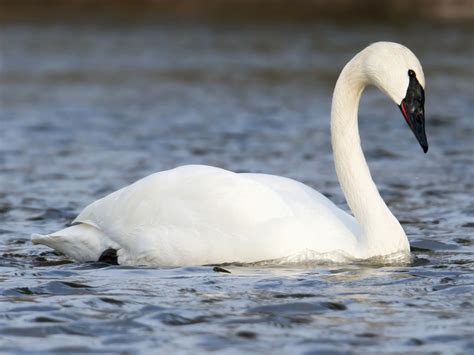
(413, 109)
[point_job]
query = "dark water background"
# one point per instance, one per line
(86, 110)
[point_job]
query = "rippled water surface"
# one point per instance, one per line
(86, 110)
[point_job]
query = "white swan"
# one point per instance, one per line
(195, 215)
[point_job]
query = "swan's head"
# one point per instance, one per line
(396, 71)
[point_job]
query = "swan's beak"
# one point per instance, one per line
(413, 109)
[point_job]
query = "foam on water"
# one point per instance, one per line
(311, 258)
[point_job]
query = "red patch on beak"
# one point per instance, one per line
(405, 114)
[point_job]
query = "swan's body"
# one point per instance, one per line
(195, 215)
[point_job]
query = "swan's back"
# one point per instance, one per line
(193, 194)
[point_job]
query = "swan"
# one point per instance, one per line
(198, 215)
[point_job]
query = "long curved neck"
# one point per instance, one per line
(382, 234)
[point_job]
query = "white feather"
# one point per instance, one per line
(195, 215)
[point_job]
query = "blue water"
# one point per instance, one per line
(87, 110)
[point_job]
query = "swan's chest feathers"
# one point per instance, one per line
(197, 214)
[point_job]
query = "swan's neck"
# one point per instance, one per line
(382, 234)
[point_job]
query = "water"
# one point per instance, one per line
(87, 110)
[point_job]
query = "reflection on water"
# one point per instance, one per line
(85, 111)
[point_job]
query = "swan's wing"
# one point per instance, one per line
(319, 225)
(302, 199)
(188, 215)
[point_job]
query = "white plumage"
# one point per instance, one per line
(195, 215)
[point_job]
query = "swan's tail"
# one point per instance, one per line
(81, 242)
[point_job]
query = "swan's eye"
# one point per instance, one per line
(411, 74)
